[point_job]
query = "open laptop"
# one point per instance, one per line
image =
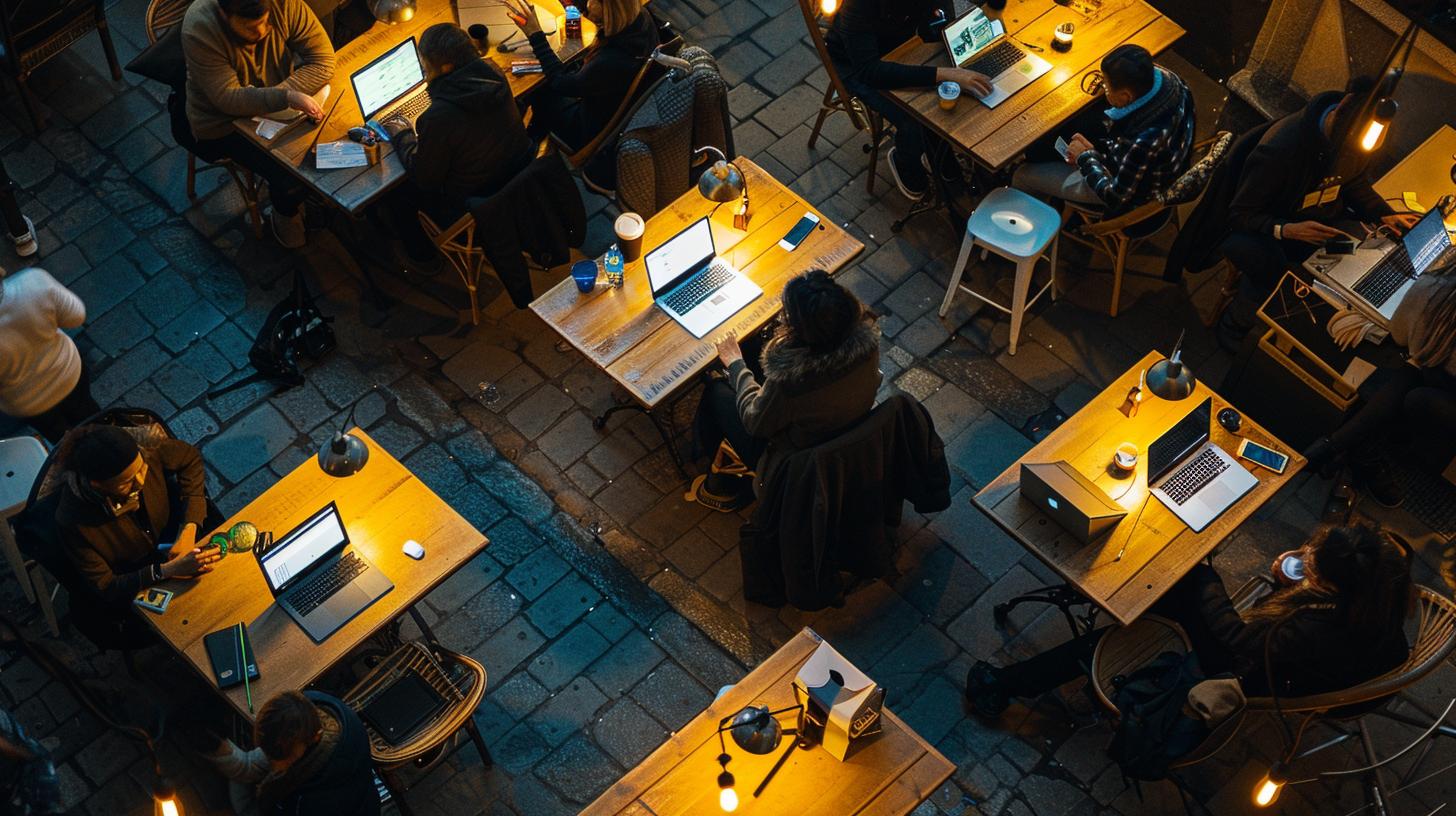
(978, 43)
(1378, 279)
(319, 584)
(692, 284)
(392, 83)
(1195, 478)
(1071, 499)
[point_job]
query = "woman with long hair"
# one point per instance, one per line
(1339, 626)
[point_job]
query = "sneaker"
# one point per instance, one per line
(1376, 477)
(25, 245)
(905, 190)
(288, 229)
(983, 691)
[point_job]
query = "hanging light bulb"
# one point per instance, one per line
(1379, 124)
(1267, 791)
(727, 796)
(829, 6)
(165, 801)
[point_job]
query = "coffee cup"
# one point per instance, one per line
(480, 35)
(1289, 567)
(1126, 456)
(629, 228)
(950, 93)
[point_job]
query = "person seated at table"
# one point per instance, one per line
(862, 33)
(1147, 144)
(576, 102)
(128, 517)
(1354, 600)
(312, 757)
(249, 58)
(1415, 400)
(821, 370)
(469, 142)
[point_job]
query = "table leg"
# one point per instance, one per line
(424, 627)
(664, 427)
(17, 563)
(1063, 597)
(939, 195)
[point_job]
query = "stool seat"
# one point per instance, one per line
(21, 459)
(1014, 224)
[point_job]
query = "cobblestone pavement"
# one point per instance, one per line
(599, 645)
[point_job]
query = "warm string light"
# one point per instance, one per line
(829, 6)
(1266, 792)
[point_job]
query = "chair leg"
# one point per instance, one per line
(1118, 263)
(394, 793)
(17, 562)
(191, 177)
(43, 598)
(955, 275)
(1056, 242)
(475, 737)
(877, 131)
(104, 31)
(1018, 299)
(824, 111)
(32, 105)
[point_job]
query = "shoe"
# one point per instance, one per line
(983, 691)
(424, 267)
(25, 245)
(1322, 454)
(905, 190)
(288, 229)
(1375, 476)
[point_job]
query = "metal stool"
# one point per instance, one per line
(1019, 228)
(21, 459)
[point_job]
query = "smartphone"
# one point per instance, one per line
(1061, 147)
(1262, 456)
(800, 231)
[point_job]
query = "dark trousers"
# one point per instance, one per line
(719, 411)
(283, 189)
(402, 207)
(909, 136)
(1263, 259)
(1420, 403)
(75, 408)
(563, 117)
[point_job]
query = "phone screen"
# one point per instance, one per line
(800, 231)
(1261, 455)
(1061, 146)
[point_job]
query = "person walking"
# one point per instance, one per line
(43, 378)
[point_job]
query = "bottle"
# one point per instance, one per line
(614, 264)
(573, 22)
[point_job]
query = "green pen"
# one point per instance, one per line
(243, 665)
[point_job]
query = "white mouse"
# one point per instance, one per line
(413, 549)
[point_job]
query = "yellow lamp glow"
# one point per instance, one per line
(1372, 136)
(829, 6)
(1379, 124)
(1267, 791)
(164, 803)
(728, 800)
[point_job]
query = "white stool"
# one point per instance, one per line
(1019, 228)
(21, 459)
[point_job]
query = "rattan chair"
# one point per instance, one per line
(459, 680)
(457, 243)
(31, 33)
(838, 99)
(162, 15)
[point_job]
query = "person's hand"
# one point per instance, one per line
(186, 540)
(523, 14)
(1400, 221)
(1076, 146)
(395, 125)
(728, 350)
(973, 81)
(305, 104)
(1310, 232)
(191, 563)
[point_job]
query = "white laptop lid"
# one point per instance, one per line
(387, 78)
(680, 256)
(970, 35)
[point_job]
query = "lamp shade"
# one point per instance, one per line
(721, 182)
(344, 455)
(755, 730)
(1171, 379)
(392, 11)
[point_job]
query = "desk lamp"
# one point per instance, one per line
(723, 182)
(345, 454)
(392, 11)
(1171, 379)
(755, 730)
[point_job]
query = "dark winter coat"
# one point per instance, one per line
(863, 31)
(1144, 151)
(604, 74)
(1196, 247)
(539, 213)
(334, 776)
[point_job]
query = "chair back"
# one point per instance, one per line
(162, 15)
(647, 75)
(817, 23)
(460, 692)
(33, 32)
(1194, 180)
(1151, 216)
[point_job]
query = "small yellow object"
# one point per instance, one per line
(1411, 202)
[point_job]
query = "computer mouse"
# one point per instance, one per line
(1230, 420)
(413, 549)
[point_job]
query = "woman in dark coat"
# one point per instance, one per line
(1343, 624)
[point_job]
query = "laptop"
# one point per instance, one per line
(1193, 477)
(692, 284)
(393, 83)
(978, 43)
(1071, 499)
(1379, 278)
(315, 581)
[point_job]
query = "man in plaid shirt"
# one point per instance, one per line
(1147, 145)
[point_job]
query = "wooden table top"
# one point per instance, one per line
(1425, 172)
(1160, 548)
(995, 136)
(382, 506)
(354, 188)
(648, 353)
(888, 777)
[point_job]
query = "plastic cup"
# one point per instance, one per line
(950, 93)
(585, 275)
(629, 228)
(1126, 456)
(1291, 567)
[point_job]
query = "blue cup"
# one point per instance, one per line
(585, 275)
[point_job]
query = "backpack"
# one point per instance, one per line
(1155, 729)
(293, 327)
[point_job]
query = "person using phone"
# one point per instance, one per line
(861, 34)
(1144, 145)
(250, 58)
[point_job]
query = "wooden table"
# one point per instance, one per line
(995, 136)
(352, 189)
(1425, 172)
(648, 353)
(1160, 548)
(382, 506)
(888, 777)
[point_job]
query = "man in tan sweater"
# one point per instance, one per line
(250, 58)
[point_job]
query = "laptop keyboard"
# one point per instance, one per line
(1189, 479)
(412, 107)
(322, 586)
(995, 62)
(1382, 281)
(699, 288)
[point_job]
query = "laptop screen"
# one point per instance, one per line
(1177, 442)
(310, 541)
(1425, 242)
(387, 78)
(681, 254)
(970, 34)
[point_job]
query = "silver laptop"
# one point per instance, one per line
(692, 284)
(315, 581)
(1193, 477)
(978, 43)
(393, 83)
(1377, 278)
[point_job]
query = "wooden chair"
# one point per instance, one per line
(161, 16)
(456, 678)
(1126, 649)
(457, 243)
(33, 32)
(1116, 237)
(837, 99)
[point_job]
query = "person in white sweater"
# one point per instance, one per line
(43, 379)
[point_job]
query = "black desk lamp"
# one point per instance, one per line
(723, 182)
(345, 454)
(755, 730)
(392, 11)
(1171, 379)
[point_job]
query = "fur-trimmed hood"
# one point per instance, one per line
(786, 363)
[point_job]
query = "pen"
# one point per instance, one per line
(243, 664)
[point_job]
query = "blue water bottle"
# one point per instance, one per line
(614, 263)
(573, 22)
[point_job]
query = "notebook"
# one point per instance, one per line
(226, 655)
(397, 711)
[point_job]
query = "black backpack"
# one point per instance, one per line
(1155, 730)
(292, 328)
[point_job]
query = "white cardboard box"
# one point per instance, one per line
(841, 705)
